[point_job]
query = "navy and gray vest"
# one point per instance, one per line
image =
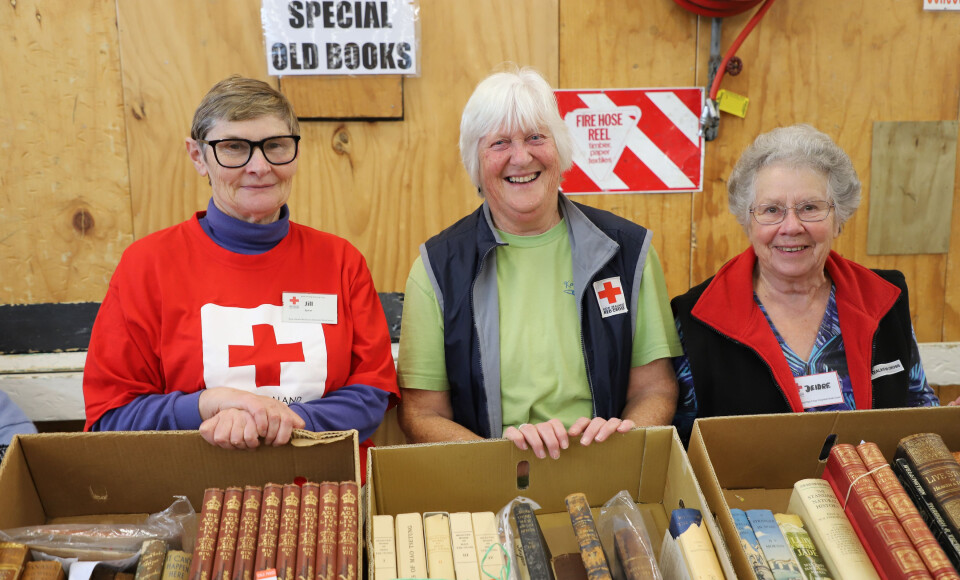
(461, 264)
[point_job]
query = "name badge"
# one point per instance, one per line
(315, 308)
(884, 369)
(819, 390)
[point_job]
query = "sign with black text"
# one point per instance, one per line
(340, 37)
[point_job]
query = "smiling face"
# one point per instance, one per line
(255, 192)
(792, 251)
(520, 179)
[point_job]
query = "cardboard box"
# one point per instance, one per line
(94, 477)
(483, 476)
(752, 462)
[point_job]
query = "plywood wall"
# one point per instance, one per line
(96, 98)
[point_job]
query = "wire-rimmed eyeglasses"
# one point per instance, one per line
(769, 214)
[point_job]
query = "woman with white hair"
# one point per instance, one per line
(789, 325)
(533, 318)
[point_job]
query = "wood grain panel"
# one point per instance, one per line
(65, 215)
(343, 97)
(840, 67)
(613, 44)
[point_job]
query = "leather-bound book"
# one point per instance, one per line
(45, 570)
(176, 565)
(227, 535)
(150, 565)
(928, 510)
(327, 523)
(269, 528)
(907, 514)
(347, 531)
(118, 575)
(938, 472)
(307, 542)
(879, 530)
(246, 552)
(289, 527)
(806, 553)
(536, 553)
(594, 560)
(568, 567)
(201, 563)
(13, 558)
(635, 558)
(411, 552)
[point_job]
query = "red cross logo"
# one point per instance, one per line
(265, 354)
(610, 292)
(294, 300)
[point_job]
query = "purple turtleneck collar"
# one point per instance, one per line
(243, 237)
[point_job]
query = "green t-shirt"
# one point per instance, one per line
(542, 371)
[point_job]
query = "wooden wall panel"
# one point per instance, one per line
(65, 215)
(838, 66)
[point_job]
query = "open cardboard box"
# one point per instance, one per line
(123, 476)
(482, 476)
(752, 462)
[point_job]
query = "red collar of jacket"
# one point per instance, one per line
(863, 299)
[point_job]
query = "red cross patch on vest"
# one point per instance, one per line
(610, 296)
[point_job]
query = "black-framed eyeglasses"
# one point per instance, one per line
(769, 214)
(233, 153)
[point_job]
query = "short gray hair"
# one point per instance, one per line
(518, 99)
(799, 146)
(237, 98)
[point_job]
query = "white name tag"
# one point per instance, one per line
(303, 307)
(819, 390)
(884, 369)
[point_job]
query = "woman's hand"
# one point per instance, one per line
(548, 437)
(270, 419)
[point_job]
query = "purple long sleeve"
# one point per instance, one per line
(359, 407)
(166, 412)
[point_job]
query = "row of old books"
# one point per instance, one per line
(296, 531)
(865, 518)
(154, 560)
(15, 564)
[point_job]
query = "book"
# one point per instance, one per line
(269, 527)
(176, 565)
(208, 524)
(594, 559)
(347, 531)
(227, 534)
(464, 545)
(327, 522)
(938, 472)
(439, 546)
(928, 510)
(634, 555)
(287, 535)
(246, 551)
(568, 567)
(823, 518)
(489, 552)
(307, 535)
(774, 546)
(906, 512)
(810, 561)
(120, 575)
(44, 570)
(150, 564)
(384, 544)
(880, 532)
(751, 546)
(411, 553)
(13, 558)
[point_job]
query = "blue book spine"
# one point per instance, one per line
(774, 546)
(751, 546)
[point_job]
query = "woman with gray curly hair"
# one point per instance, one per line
(789, 325)
(534, 318)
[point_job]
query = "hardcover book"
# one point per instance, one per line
(568, 567)
(384, 547)
(327, 523)
(227, 535)
(411, 553)
(246, 552)
(811, 563)
(176, 565)
(750, 545)
(45, 570)
(938, 472)
(269, 528)
(439, 546)
(636, 561)
(464, 546)
(489, 554)
(307, 535)
(928, 510)
(775, 548)
(150, 564)
(594, 559)
(201, 564)
(347, 533)
(287, 536)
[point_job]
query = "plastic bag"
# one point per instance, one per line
(621, 520)
(509, 537)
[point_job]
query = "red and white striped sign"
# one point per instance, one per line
(633, 140)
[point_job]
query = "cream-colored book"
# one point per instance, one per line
(690, 532)
(384, 548)
(436, 533)
(814, 501)
(489, 555)
(464, 546)
(411, 554)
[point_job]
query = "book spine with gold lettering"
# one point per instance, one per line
(227, 535)
(150, 564)
(348, 531)
(289, 526)
(938, 472)
(13, 558)
(307, 543)
(247, 533)
(43, 570)
(201, 563)
(176, 566)
(327, 523)
(594, 560)
(269, 528)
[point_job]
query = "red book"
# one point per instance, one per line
(307, 542)
(269, 528)
(201, 563)
(347, 531)
(883, 538)
(289, 524)
(327, 524)
(227, 535)
(247, 533)
(923, 540)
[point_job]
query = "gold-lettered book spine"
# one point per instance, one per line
(176, 565)
(202, 562)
